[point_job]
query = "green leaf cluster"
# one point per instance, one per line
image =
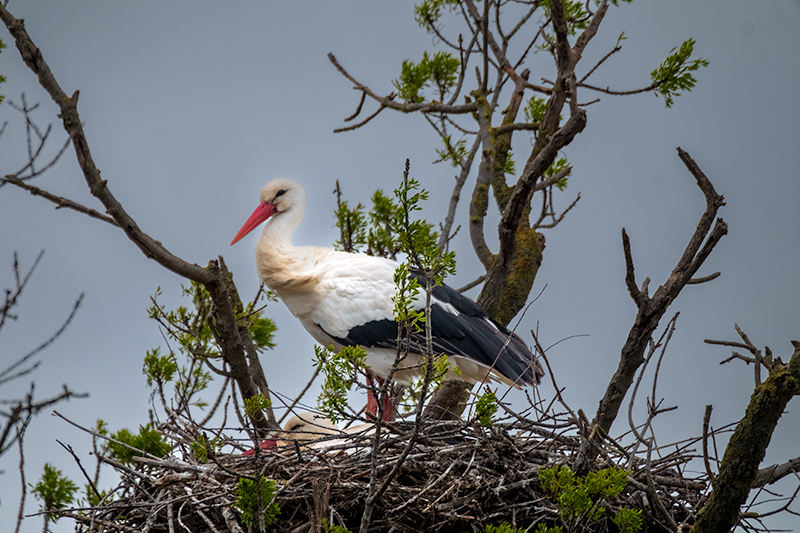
(534, 109)
(255, 405)
(145, 441)
(416, 237)
(390, 229)
(159, 368)
(579, 498)
(262, 331)
(405, 300)
(510, 168)
(628, 520)
(454, 153)
(675, 73)
(382, 233)
(503, 528)
(192, 327)
(352, 227)
(485, 408)
(544, 528)
(555, 167)
(54, 490)
(255, 502)
(340, 371)
(203, 447)
(439, 70)
(575, 15)
(428, 12)
(333, 528)
(375, 230)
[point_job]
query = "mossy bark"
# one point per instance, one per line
(508, 285)
(747, 448)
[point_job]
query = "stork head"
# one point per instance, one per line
(277, 197)
(308, 427)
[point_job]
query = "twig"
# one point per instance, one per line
(80, 465)
(59, 201)
(23, 492)
(706, 462)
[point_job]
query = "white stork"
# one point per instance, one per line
(303, 428)
(345, 299)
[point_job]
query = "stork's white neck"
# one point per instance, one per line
(280, 263)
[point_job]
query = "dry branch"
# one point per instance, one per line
(236, 346)
(651, 309)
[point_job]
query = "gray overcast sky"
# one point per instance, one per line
(190, 108)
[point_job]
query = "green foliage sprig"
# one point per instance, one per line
(534, 109)
(333, 528)
(628, 520)
(382, 232)
(255, 502)
(428, 12)
(55, 492)
(575, 15)
(454, 153)
(203, 448)
(485, 408)
(159, 369)
(417, 238)
(503, 528)
(675, 73)
(579, 498)
(555, 167)
(145, 441)
(391, 228)
(352, 227)
(406, 311)
(439, 70)
(193, 330)
(255, 405)
(340, 370)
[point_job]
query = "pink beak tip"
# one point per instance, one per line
(262, 213)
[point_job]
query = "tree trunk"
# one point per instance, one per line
(747, 448)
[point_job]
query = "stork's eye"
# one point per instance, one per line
(280, 193)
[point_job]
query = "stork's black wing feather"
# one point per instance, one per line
(460, 327)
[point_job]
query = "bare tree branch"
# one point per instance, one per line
(215, 277)
(772, 474)
(30, 170)
(706, 459)
(5, 374)
(651, 309)
(98, 187)
(59, 201)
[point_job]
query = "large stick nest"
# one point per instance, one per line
(457, 477)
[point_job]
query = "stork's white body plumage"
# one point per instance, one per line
(346, 299)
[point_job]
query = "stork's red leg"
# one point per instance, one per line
(372, 402)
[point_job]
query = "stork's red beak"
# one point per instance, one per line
(268, 444)
(262, 213)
